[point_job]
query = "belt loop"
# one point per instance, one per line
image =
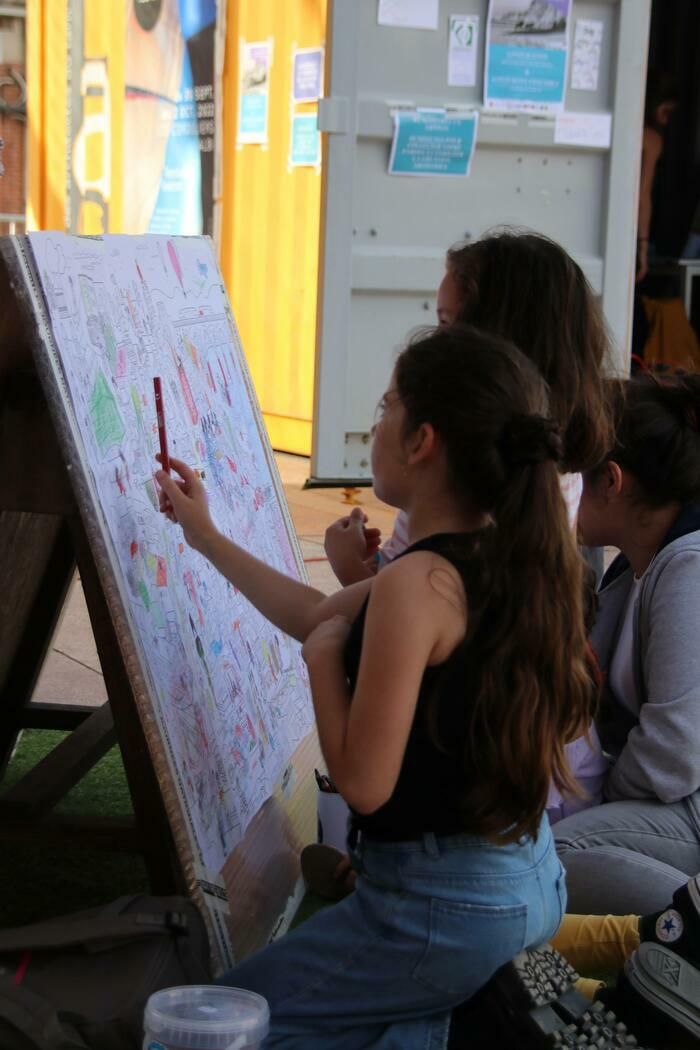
(430, 844)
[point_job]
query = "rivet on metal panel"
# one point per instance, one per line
(373, 232)
(520, 160)
(467, 235)
(517, 189)
(354, 231)
(365, 439)
(364, 463)
(545, 162)
(426, 305)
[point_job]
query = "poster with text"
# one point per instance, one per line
(432, 142)
(527, 46)
(169, 117)
(254, 92)
(305, 142)
(307, 74)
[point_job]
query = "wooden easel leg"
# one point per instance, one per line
(151, 821)
(37, 562)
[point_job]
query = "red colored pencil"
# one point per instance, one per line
(160, 416)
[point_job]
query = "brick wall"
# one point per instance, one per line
(12, 132)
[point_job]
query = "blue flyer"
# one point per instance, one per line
(305, 148)
(527, 49)
(307, 75)
(432, 142)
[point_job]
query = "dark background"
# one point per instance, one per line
(674, 47)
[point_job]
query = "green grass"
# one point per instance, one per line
(42, 881)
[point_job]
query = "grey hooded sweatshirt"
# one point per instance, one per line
(656, 743)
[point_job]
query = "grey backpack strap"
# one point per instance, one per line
(34, 1018)
(93, 931)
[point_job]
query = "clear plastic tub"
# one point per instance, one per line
(205, 1017)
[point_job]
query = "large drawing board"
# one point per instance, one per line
(222, 694)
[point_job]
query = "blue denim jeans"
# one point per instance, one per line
(428, 924)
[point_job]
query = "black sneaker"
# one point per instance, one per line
(531, 1004)
(667, 983)
(677, 927)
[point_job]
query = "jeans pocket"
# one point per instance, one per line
(467, 943)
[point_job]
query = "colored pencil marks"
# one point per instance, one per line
(230, 692)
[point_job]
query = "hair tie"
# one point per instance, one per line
(529, 439)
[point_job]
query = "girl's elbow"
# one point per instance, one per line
(364, 798)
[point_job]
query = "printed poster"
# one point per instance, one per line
(585, 62)
(254, 92)
(169, 117)
(432, 142)
(305, 146)
(461, 54)
(307, 74)
(526, 55)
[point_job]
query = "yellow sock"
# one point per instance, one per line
(588, 986)
(597, 943)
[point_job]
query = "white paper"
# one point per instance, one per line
(585, 64)
(409, 14)
(583, 129)
(230, 692)
(461, 56)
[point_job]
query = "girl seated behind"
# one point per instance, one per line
(445, 689)
(634, 851)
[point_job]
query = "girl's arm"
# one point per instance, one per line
(291, 605)
(661, 758)
(415, 617)
(652, 146)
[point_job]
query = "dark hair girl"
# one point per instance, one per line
(632, 853)
(445, 689)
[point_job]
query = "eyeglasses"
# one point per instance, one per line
(391, 397)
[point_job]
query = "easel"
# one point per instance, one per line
(42, 540)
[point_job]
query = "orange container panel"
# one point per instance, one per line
(270, 222)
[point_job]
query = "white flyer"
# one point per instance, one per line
(461, 55)
(585, 63)
(409, 14)
(593, 130)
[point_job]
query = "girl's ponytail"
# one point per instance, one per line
(530, 632)
(530, 691)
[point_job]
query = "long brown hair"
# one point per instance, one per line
(526, 288)
(527, 690)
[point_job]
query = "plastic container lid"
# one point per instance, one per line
(207, 1017)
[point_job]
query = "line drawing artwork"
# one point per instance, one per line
(231, 692)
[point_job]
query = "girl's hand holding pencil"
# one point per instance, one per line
(184, 501)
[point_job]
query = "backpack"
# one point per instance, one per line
(81, 982)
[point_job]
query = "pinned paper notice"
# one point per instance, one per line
(409, 14)
(433, 142)
(593, 130)
(585, 64)
(461, 57)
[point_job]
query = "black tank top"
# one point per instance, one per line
(431, 785)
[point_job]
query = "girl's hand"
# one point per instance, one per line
(351, 547)
(327, 639)
(185, 502)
